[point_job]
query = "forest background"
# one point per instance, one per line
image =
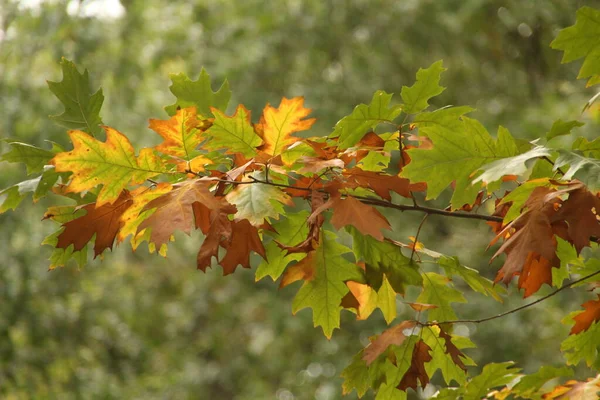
(140, 326)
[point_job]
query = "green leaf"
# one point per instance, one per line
(82, 108)
(386, 301)
(560, 127)
(356, 376)
(258, 201)
(438, 290)
(390, 392)
(427, 86)
(440, 359)
(33, 157)
(589, 149)
(584, 346)
(198, 93)
(235, 134)
(276, 261)
(353, 127)
(11, 197)
(460, 147)
(493, 375)
(384, 258)
(582, 40)
(510, 166)
(529, 385)
(478, 283)
(567, 256)
(324, 292)
(585, 168)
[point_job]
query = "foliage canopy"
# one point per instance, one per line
(311, 209)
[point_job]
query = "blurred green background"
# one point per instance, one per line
(135, 326)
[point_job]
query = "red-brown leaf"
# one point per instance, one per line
(104, 222)
(416, 371)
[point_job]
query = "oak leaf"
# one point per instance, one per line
(416, 371)
(244, 238)
(112, 163)
(530, 246)
(257, 201)
(235, 134)
(276, 125)
(181, 133)
(174, 210)
(587, 390)
(135, 214)
(103, 221)
(365, 218)
(391, 336)
(580, 211)
(586, 318)
(383, 184)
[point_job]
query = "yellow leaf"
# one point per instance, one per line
(112, 163)
(181, 133)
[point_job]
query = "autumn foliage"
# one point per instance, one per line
(268, 191)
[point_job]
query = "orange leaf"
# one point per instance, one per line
(303, 270)
(586, 318)
(180, 133)
(391, 336)
(104, 222)
(277, 124)
(574, 390)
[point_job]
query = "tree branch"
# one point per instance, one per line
(514, 310)
(376, 202)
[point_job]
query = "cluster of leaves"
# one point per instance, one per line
(260, 188)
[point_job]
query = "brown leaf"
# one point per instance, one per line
(580, 211)
(104, 222)
(391, 336)
(383, 184)
(586, 318)
(530, 245)
(219, 231)
(365, 218)
(452, 350)
(244, 239)
(416, 371)
(174, 210)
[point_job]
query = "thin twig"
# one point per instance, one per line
(551, 162)
(514, 310)
(412, 253)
